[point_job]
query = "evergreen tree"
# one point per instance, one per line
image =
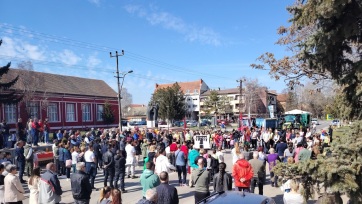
(108, 115)
(7, 96)
(337, 171)
(171, 101)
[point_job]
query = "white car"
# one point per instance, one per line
(192, 123)
(336, 122)
(315, 121)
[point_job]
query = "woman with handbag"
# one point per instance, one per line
(68, 161)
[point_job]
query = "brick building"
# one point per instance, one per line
(67, 101)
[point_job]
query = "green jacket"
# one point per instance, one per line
(193, 154)
(149, 180)
(144, 149)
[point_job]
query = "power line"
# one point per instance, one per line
(80, 67)
(85, 45)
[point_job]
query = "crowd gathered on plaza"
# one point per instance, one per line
(79, 156)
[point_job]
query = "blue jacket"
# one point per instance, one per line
(66, 154)
(61, 154)
(19, 154)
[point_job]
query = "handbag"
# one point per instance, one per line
(68, 163)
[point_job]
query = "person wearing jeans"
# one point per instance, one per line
(90, 165)
(180, 165)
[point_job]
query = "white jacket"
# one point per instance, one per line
(162, 164)
(14, 191)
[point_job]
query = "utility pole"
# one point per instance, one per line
(240, 101)
(119, 90)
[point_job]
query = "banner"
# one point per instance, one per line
(202, 141)
(271, 111)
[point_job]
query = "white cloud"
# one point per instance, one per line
(96, 2)
(68, 57)
(192, 33)
(17, 48)
(93, 60)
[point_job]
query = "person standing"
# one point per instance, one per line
(272, 161)
(180, 165)
(201, 179)
(162, 163)
(97, 152)
(35, 128)
(130, 160)
(46, 129)
(222, 181)
(33, 186)
(167, 194)
(56, 156)
(120, 167)
(108, 166)
(68, 161)
(50, 190)
(14, 192)
(193, 154)
(305, 154)
(29, 159)
(2, 178)
(90, 165)
(75, 155)
(242, 173)
(280, 148)
(20, 130)
(148, 178)
(20, 158)
(81, 188)
(258, 169)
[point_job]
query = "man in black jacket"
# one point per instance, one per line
(166, 193)
(20, 158)
(108, 166)
(97, 152)
(81, 187)
(120, 167)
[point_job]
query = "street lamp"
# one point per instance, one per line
(120, 97)
(241, 80)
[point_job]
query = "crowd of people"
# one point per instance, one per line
(79, 156)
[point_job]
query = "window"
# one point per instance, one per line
(100, 112)
(53, 113)
(70, 112)
(10, 113)
(196, 91)
(86, 112)
(187, 91)
(34, 109)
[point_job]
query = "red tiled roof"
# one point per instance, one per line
(224, 91)
(191, 86)
(61, 84)
(282, 97)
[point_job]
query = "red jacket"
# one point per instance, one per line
(242, 169)
(185, 150)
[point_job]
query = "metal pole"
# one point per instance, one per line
(119, 90)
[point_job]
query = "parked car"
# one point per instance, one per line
(162, 122)
(222, 121)
(177, 123)
(205, 123)
(315, 121)
(336, 122)
(143, 122)
(192, 123)
(237, 197)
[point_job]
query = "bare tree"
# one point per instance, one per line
(126, 99)
(251, 93)
(32, 85)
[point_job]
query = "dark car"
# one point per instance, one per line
(236, 197)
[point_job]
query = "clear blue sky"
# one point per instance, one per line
(164, 41)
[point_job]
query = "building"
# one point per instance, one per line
(136, 112)
(192, 91)
(232, 97)
(66, 101)
(255, 105)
